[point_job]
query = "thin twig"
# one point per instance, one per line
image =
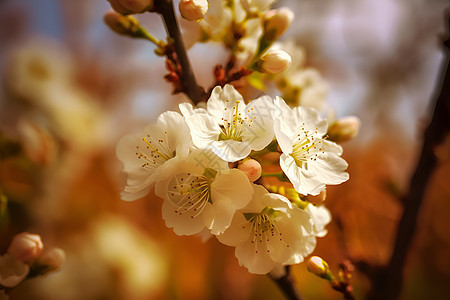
(287, 285)
(388, 283)
(188, 83)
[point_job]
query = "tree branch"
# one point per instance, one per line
(287, 285)
(187, 79)
(388, 283)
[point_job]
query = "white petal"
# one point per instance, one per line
(321, 217)
(237, 232)
(230, 150)
(233, 189)
(283, 140)
(254, 257)
(206, 158)
(258, 131)
(204, 129)
(329, 168)
(182, 224)
(222, 103)
(329, 146)
(177, 130)
(305, 182)
(217, 217)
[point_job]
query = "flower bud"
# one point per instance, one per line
(137, 6)
(118, 6)
(318, 266)
(344, 129)
(49, 261)
(276, 22)
(126, 25)
(26, 247)
(193, 10)
(251, 168)
(274, 61)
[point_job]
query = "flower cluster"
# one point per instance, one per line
(205, 164)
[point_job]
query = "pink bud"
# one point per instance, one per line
(26, 247)
(50, 260)
(251, 168)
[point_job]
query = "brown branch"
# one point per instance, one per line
(388, 283)
(287, 285)
(187, 79)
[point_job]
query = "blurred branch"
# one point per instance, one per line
(287, 285)
(187, 80)
(388, 282)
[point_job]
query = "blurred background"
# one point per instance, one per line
(71, 88)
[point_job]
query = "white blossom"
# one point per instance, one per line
(229, 127)
(308, 160)
(201, 192)
(146, 155)
(268, 232)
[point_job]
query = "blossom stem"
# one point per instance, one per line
(188, 82)
(388, 282)
(279, 175)
(287, 286)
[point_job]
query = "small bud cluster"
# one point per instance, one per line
(26, 257)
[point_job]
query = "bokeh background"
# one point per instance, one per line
(381, 59)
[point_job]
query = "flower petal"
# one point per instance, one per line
(204, 129)
(230, 150)
(258, 131)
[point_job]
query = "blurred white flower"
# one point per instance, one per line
(229, 127)
(268, 232)
(201, 192)
(321, 217)
(276, 22)
(145, 156)
(12, 271)
(308, 160)
(257, 6)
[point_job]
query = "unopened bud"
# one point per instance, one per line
(274, 61)
(126, 25)
(118, 6)
(193, 10)
(137, 6)
(26, 247)
(276, 22)
(318, 266)
(344, 129)
(251, 168)
(50, 260)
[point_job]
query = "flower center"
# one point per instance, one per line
(190, 193)
(306, 147)
(232, 129)
(264, 229)
(155, 153)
